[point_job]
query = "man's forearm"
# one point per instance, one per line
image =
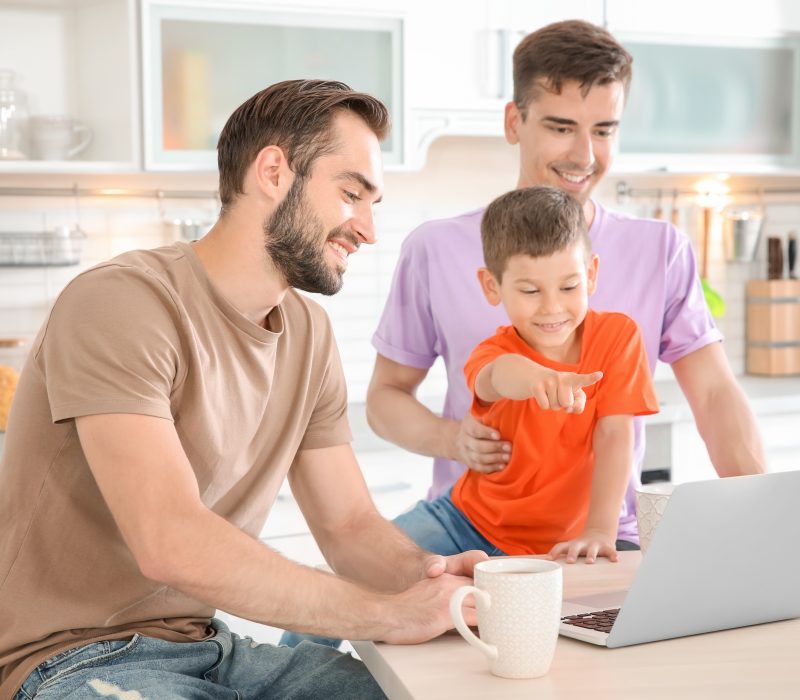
(210, 560)
(728, 428)
(351, 552)
(721, 412)
(400, 418)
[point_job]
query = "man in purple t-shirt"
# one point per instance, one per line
(570, 83)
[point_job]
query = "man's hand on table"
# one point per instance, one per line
(424, 609)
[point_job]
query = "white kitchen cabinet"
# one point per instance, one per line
(710, 18)
(200, 61)
(78, 59)
(702, 104)
(458, 62)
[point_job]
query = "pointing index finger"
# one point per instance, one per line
(582, 380)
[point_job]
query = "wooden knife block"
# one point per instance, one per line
(773, 327)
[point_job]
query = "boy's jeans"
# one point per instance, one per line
(225, 667)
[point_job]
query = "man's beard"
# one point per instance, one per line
(295, 242)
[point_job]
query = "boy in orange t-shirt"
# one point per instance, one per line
(562, 384)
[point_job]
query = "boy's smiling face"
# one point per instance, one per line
(546, 298)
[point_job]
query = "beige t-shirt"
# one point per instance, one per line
(147, 333)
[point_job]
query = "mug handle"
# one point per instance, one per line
(456, 601)
(84, 134)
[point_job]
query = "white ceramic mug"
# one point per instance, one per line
(519, 613)
(651, 502)
(57, 137)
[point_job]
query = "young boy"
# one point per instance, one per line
(562, 384)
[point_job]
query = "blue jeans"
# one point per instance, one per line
(225, 667)
(437, 526)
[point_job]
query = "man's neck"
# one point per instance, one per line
(234, 258)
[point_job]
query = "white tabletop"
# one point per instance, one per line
(762, 661)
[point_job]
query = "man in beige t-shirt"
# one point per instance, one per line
(165, 399)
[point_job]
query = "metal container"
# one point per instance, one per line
(61, 246)
(741, 229)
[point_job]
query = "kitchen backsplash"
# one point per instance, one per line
(461, 174)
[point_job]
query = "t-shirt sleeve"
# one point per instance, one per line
(481, 356)
(627, 385)
(111, 345)
(329, 425)
(688, 325)
(406, 332)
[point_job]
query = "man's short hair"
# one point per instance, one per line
(535, 221)
(573, 50)
(295, 115)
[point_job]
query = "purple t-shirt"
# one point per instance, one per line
(436, 308)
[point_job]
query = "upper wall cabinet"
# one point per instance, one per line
(458, 62)
(713, 89)
(68, 86)
(700, 105)
(201, 61)
(708, 18)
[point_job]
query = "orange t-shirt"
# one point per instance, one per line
(542, 496)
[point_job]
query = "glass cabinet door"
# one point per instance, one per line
(710, 104)
(200, 63)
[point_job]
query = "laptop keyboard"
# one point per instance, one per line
(601, 620)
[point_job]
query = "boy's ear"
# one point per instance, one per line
(489, 285)
(591, 273)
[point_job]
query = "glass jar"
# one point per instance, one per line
(13, 119)
(12, 356)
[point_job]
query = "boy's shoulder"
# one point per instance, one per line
(610, 322)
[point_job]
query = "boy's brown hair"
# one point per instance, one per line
(573, 50)
(535, 221)
(295, 115)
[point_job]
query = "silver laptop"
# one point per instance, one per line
(724, 555)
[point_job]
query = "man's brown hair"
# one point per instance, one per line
(572, 50)
(535, 221)
(295, 115)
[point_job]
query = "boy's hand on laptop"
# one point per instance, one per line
(591, 544)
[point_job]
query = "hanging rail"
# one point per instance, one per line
(626, 190)
(106, 192)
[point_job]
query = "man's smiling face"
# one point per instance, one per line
(566, 139)
(326, 216)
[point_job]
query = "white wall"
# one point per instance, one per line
(461, 174)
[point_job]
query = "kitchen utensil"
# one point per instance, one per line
(57, 136)
(792, 250)
(774, 258)
(741, 231)
(675, 213)
(716, 304)
(658, 213)
(13, 119)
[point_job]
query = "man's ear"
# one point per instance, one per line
(271, 173)
(591, 273)
(489, 285)
(511, 122)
